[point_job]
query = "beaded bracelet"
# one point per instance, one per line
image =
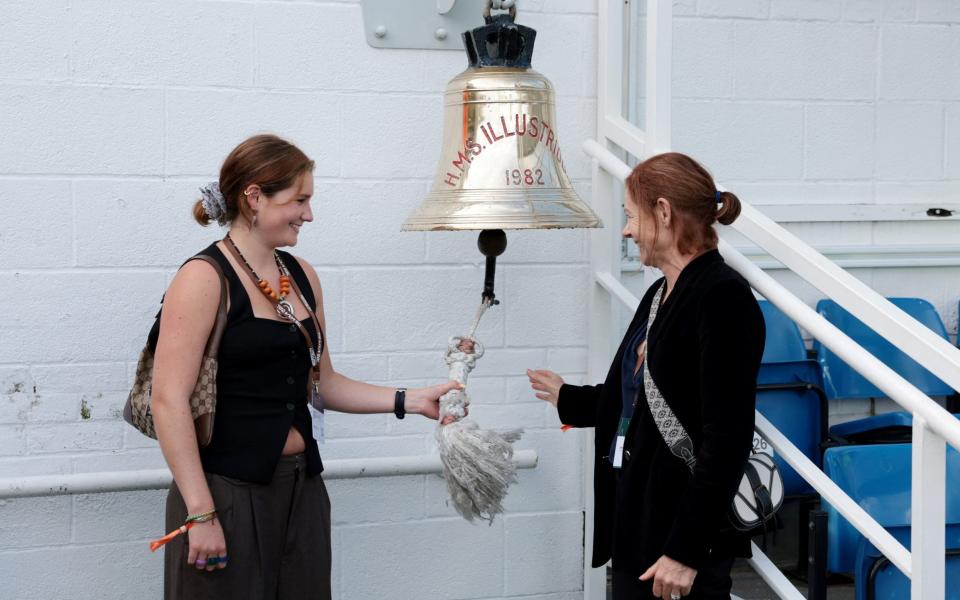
(201, 517)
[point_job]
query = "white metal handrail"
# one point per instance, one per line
(154, 479)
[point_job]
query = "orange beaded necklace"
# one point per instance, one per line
(284, 308)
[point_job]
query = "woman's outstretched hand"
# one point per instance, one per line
(671, 579)
(426, 400)
(546, 384)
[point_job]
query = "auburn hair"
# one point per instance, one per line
(265, 160)
(692, 194)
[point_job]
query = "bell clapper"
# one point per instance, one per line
(492, 243)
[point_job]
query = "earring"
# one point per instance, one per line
(254, 222)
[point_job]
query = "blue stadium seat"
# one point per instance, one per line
(790, 395)
(843, 382)
(877, 579)
(877, 477)
(784, 342)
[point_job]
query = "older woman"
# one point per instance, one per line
(664, 525)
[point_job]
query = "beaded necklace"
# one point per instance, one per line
(284, 308)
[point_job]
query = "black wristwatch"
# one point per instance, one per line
(399, 403)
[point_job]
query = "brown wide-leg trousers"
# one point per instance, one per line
(278, 539)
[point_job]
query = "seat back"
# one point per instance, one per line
(784, 342)
(875, 573)
(796, 411)
(841, 381)
(877, 477)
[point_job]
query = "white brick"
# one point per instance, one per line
(577, 123)
(384, 127)
(681, 8)
(556, 482)
(363, 367)
(358, 223)
(414, 309)
(83, 572)
(168, 42)
(106, 210)
(938, 11)
(26, 522)
(569, 66)
(734, 140)
(90, 378)
(33, 465)
(702, 58)
(32, 45)
(134, 440)
(495, 361)
(749, 9)
(73, 309)
(22, 407)
(547, 305)
(916, 62)
(527, 536)
(84, 130)
(377, 447)
(102, 518)
(37, 222)
(73, 437)
(806, 10)
(789, 192)
(804, 60)
(204, 126)
(927, 193)
(880, 10)
(119, 460)
(932, 232)
(839, 141)
(952, 131)
(470, 564)
(909, 141)
(13, 440)
(501, 417)
(569, 360)
(343, 425)
(322, 46)
(401, 499)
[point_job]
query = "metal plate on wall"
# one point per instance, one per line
(429, 24)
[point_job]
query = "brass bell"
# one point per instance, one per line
(500, 164)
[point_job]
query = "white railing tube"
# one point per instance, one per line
(839, 499)
(920, 343)
(928, 514)
(875, 371)
(773, 576)
(155, 479)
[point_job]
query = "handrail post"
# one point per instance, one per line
(928, 514)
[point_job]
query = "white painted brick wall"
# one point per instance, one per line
(112, 114)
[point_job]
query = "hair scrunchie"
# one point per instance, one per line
(214, 204)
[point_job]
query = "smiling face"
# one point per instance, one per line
(280, 217)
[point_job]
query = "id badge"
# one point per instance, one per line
(317, 417)
(618, 452)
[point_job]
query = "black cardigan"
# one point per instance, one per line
(704, 351)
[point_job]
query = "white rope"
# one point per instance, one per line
(477, 463)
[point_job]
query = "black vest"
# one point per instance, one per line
(263, 372)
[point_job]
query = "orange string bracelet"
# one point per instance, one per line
(180, 530)
(566, 427)
(187, 525)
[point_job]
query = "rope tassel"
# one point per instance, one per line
(477, 463)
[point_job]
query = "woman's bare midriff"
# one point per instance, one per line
(294, 443)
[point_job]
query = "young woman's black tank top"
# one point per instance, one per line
(263, 370)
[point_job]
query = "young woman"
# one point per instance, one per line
(261, 511)
(664, 527)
